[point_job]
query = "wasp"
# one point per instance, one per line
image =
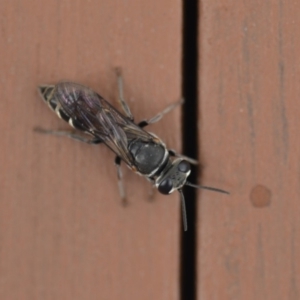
(94, 121)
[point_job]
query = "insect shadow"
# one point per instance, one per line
(99, 122)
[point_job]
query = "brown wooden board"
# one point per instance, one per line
(248, 242)
(63, 231)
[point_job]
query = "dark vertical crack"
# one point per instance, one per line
(190, 145)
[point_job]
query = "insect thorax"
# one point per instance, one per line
(149, 156)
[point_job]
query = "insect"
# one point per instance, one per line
(96, 121)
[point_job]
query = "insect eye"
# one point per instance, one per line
(165, 186)
(184, 166)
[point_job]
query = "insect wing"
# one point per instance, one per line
(94, 115)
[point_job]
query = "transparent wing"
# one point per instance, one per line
(97, 117)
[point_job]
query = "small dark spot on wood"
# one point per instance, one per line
(260, 196)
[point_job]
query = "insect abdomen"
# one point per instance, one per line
(49, 95)
(46, 92)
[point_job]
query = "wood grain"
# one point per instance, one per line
(63, 232)
(248, 242)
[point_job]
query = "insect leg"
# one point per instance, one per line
(121, 95)
(190, 160)
(157, 117)
(152, 189)
(120, 182)
(70, 134)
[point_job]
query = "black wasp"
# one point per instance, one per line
(99, 122)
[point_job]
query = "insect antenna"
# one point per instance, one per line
(206, 188)
(183, 209)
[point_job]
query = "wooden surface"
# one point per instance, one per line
(248, 242)
(63, 232)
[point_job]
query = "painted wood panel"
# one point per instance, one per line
(248, 242)
(63, 231)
